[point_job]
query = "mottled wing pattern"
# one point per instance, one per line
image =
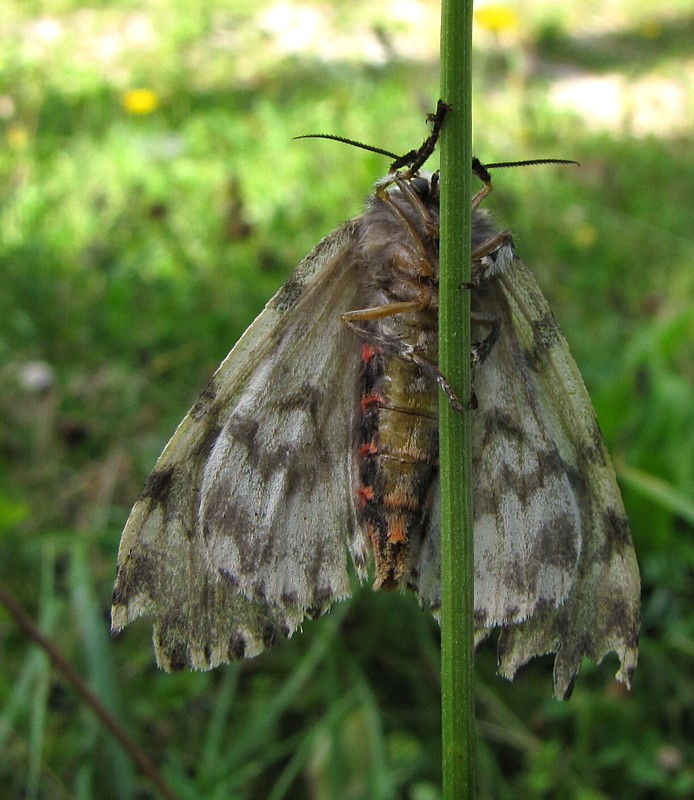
(241, 529)
(601, 613)
(528, 533)
(244, 525)
(554, 564)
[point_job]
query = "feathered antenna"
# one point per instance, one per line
(415, 159)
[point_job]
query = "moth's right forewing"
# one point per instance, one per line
(213, 503)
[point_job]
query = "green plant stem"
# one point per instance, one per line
(457, 565)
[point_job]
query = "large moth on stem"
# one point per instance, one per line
(316, 443)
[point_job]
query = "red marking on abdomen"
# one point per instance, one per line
(365, 494)
(368, 449)
(396, 447)
(368, 352)
(370, 400)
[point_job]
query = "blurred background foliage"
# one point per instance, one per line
(152, 200)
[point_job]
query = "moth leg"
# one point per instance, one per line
(483, 174)
(416, 158)
(483, 347)
(431, 226)
(401, 349)
(491, 258)
(479, 197)
(381, 312)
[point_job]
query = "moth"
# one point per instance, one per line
(315, 444)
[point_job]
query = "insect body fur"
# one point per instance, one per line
(397, 440)
(397, 428)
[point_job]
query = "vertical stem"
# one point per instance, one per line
(457, 564)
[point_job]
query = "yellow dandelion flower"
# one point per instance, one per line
(497, 18)
(140, 101)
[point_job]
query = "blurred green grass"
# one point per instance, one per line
(136, 248)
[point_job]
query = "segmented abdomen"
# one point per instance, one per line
(397, 447)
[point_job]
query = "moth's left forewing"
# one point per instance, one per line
(601, 614)
(255, 456)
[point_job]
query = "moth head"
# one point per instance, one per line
(426, 186)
